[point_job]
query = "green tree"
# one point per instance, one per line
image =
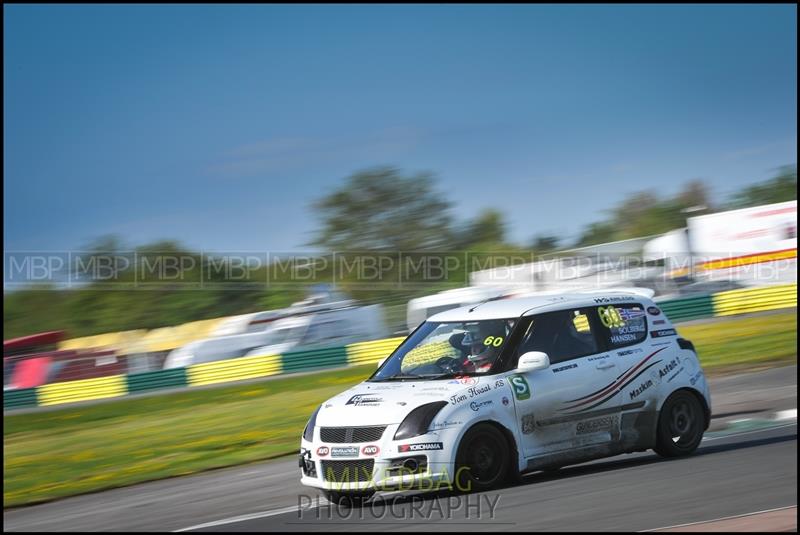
(487, 229)
(543, 243)
(595, 233)
(783, 187)
(382, 209)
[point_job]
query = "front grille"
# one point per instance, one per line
(350, 435)
(348, 471)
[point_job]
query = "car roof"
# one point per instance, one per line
(543, 302)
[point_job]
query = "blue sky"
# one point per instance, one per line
(219, 125)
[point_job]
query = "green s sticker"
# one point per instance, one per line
(522, 390)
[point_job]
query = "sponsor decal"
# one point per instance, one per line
(606, 423)
(345, 451)
(360, 400)
(370, 450)
(629, 351)
(505, 401)
(663, 332)
(499, 383)
(567, 367)
(601, 357)
(696, 377)
(463, 380)
(475, 391)
(653, 311)
(528, 424)
(522, 390)
(659, 322)
(636, 392)
(458, 398)
(631, 313)
(425, 446)
(623, 338)
(472, 392)
(401, 403)
(674, 375)
(322, 451)
(611, 299)
(635, 328)
(446, 423)
(476, 405)
(668, 367)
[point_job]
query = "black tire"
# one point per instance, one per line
(482, 459)
(681, 423)
(348, 499)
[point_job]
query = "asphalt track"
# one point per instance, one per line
(749, 467)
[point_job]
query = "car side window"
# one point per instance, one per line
(624, 324)
(563, 335)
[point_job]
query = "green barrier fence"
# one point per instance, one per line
(689, 308)
(296, 361)
(706, 306)
(142, 382)
(18, 399)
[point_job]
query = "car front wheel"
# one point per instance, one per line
(680, 425)
(482, 459)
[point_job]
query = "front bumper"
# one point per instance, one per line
(380, 465)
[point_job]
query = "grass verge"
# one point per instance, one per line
(737, 343)
(75, 450)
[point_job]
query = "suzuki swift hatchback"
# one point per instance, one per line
(479, 394)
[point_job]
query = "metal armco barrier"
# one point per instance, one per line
(224, 371)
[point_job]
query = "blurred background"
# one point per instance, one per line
(208, 194)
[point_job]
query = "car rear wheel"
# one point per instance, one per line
(680, 425)
(482, 460)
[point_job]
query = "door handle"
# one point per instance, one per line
(604, 365)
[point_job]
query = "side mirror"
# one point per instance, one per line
(532, 361)
(380, 362)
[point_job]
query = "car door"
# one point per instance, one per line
(573, 403)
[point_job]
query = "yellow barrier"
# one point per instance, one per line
(755, 299)
(117, 341)
(82, 390)
(166, 338)
(372, 351)
(234, 369)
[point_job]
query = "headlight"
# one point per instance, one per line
(418, 420)
(308, 432)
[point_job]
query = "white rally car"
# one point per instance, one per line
(479, 394)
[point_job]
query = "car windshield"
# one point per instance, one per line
(438, 350)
